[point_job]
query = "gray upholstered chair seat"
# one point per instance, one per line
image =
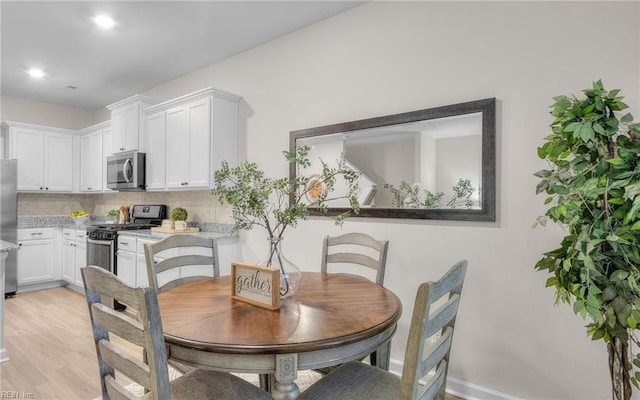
(207, 384)
(354, 381)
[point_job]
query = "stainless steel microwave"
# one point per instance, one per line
(126, 171)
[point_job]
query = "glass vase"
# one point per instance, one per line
(289, 273)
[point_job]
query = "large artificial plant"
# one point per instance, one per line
(593, 188)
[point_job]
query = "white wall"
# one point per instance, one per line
(19, 109)
(388, 57)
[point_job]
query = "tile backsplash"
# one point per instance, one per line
(201, 206)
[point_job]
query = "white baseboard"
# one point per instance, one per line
(39, 286)
(463, 389)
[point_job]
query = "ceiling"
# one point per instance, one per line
(152, 42)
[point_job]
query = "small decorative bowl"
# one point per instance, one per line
(81, 220)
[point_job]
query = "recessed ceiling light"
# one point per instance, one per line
(36, 73)
(104, 21)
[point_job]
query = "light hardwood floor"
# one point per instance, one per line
(50, 344)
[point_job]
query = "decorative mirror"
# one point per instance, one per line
(436, 163)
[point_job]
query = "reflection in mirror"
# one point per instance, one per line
(436, 163)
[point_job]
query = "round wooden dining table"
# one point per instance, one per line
(330, 319)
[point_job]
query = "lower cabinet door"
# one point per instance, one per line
(126, 267)
(35, 261)
(80, 262)
(68, 261)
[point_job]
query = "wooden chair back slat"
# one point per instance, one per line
(122, 361)
(182, 261)
(436, 352)
(118, 392)
(434, 387)
(109, 285)
(352, 258)
(118, 323)
(442, 316)
(356, 241)
(179, 242)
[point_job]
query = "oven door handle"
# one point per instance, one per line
(100, 242)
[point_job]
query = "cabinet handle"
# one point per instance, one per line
(41, 188)
(124, 243)
(36, 233)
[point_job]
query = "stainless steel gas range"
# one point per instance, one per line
(102, 240)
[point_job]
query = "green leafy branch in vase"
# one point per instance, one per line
(277, 203)
(406, 195)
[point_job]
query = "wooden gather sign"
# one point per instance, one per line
(256, 285)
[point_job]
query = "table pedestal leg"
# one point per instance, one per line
(286, 372)
(382, 356)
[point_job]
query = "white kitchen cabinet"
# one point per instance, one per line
(35, 256)
(74, 255)
(45, 156)
(154, 147)
(127, 121)
(200, 131)
(91, 162)
(189, 146)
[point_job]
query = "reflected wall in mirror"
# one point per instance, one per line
(436, 163)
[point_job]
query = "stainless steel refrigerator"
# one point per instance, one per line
(9, 220)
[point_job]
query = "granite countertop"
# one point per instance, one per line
(6, 247)
(148, 233)
(63, 221)
(48, 221)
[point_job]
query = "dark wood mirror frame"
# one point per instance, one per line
(487, 212)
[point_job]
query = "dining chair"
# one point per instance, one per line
(426, 360)
(157, 265)
(355, 248)
(146, 332)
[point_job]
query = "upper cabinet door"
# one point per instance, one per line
(117, 131)
(154, 147)
(126, 122)
(125, 126)
(27, 145)
(91, 162)
(199, 156)
(177, 150)
(59, 162)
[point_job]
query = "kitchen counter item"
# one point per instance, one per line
(124, 215)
